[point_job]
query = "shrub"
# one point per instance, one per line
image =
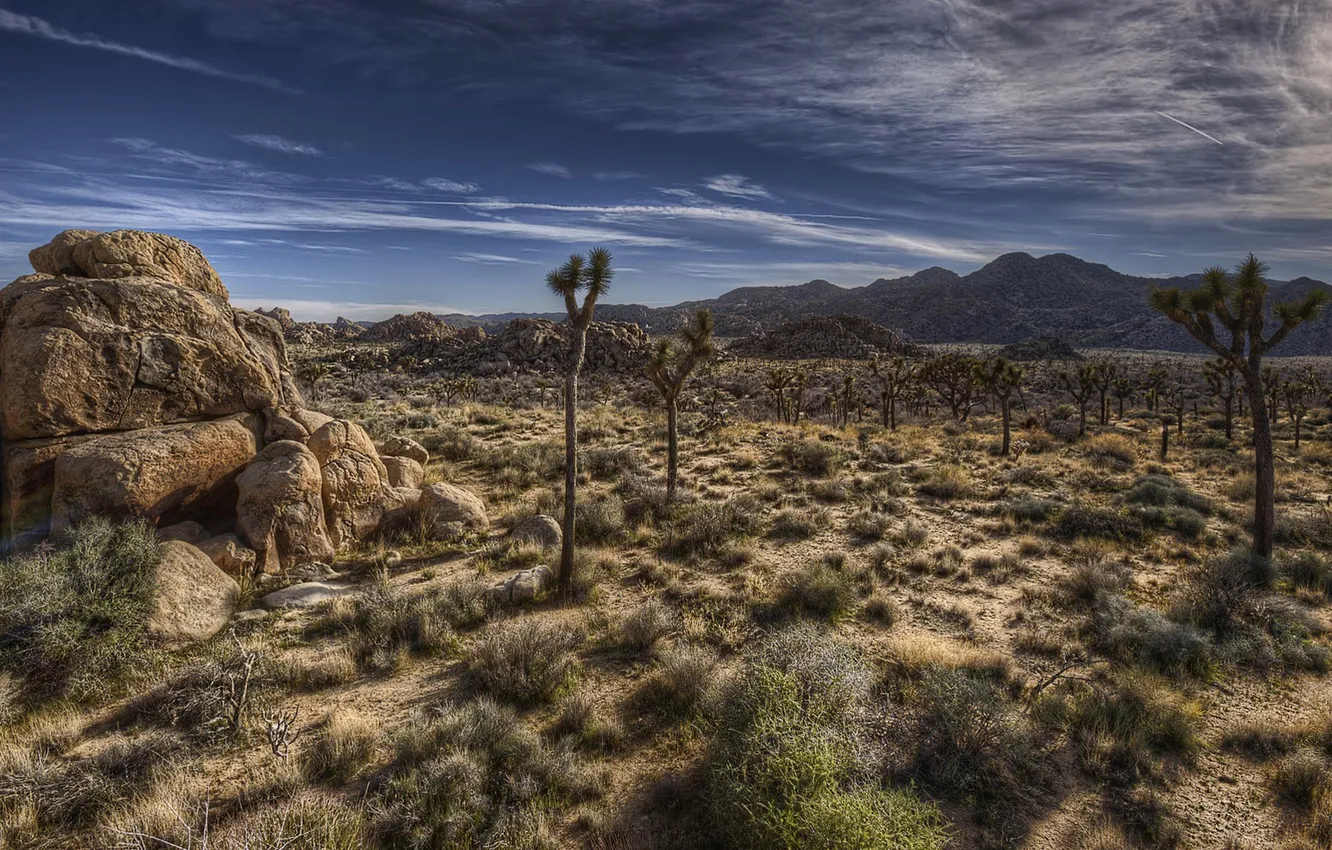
(306, 822)
(1082, 520)
(1115, 451)
(1300, 778)
(342, 748)
(581, 720)
(793, 524)
(72, 618)
(387, 623)
(883, 609)
(786, 768)
(945, 482)
(1029, 510)
(812, 457)
(821, 590)
(526, 661)
(1128, 633)
(704, 528)
(642, 628)
(1309, 571)
(599, 521)
(607, 464)
(1164, 491)
(869, 525)
(681, 684)
(474, 775)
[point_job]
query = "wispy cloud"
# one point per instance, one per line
(608, 176)
(1207, 136)
(453, 187)
(279, 145)
(39, 28)
(495, 259)
(551, 169)
(736, 186)
(308, 310)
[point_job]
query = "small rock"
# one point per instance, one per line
(231, 555)
(253, 615)
(188, 532)
(404, 472)
(305, 595)
(399, 446)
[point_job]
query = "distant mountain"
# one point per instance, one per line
(1016, 297)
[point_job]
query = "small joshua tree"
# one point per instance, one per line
(1236, 304)
(1299, 392)
(1104, 380)
(1081, 386)
(1002, 378)
(1123, 389)
(668, 370)
(895, 376)
(1220, 375)
(953, 379)
(591, 276)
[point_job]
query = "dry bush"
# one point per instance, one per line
(526, 661)
(642, 628)
(912, 655)
(344, 746)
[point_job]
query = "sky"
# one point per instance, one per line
(359, 158)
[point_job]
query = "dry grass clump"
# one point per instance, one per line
(869, 525)
(705, 527)
(812, 457)
(1112, 451)
(343, 747)
(641, 629)
(799, 524)
(823, 591)
(945, 482)
(883, 609)
(308, 821)
(914, 655)
(526, 661)
(681, 685)
(581, 720)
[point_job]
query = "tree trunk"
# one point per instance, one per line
(1165, 439)
(566, 576)
(672, 449)
(1264, 470)
(1299, 417)
(892, 413)
(1082, 420)
(1121, 408)
(1007, 435)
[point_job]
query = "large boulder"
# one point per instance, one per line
(27, 483)
(357, 492)
(280, 508)
(448, 511)
(164, 473)
(192, 599)
(80, 356)
(127, 253)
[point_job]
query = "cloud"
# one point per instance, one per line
(39, 28)
(453, 187)
(736, 186)
(608, 176)
(177, 161)
(551, 169)
(495, 259)
(306, 310)
(279, 145)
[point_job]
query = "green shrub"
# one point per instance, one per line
(680, 685)
(1309, 571)
(794, 524)
(72, 618)
(599, 521)
(787, 768)
(1132, 634)
(607, 464)
(703, 528)
(1164, 491)
(387, 623)
(1082, 520)
(526, 661)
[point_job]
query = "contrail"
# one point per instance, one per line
(29, 25)
(1190, 126)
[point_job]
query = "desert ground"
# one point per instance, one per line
(1065, 647)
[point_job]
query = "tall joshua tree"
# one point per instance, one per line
(591, 276)
(668, 370)
(1105, 380)
(1002, 378)
(1236, 304)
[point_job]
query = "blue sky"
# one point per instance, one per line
(365, 158)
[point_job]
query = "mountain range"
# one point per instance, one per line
(1014, 298)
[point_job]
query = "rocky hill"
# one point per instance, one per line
(1015, 298)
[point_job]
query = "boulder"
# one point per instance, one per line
(523, 586)
(192, 599)
(448, 511)
(229, 554)
(158, 473)
(311, 420)
(128, 253)
(357, 492)
(188, 531)
(80, 356)
(399, 446)
(403, 472)
(26, 488)
(540, 530)
(280, 508)
(404, 510)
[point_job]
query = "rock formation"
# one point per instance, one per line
(535, 345)
(839, 337)
(1043, 348)
(131, 388)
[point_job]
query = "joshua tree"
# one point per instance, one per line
(591, 276)
(1081, 386)
(1272, 381)
(894, 375)
(1104, 380)
(1238, 304)
(1298, 392)
(668, 370)
(1001, 378)
(953, 379)
(1152, 385)
(776, 383)
(847, 398)
(1123, 389)
(1220, 375)
(799, 383)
